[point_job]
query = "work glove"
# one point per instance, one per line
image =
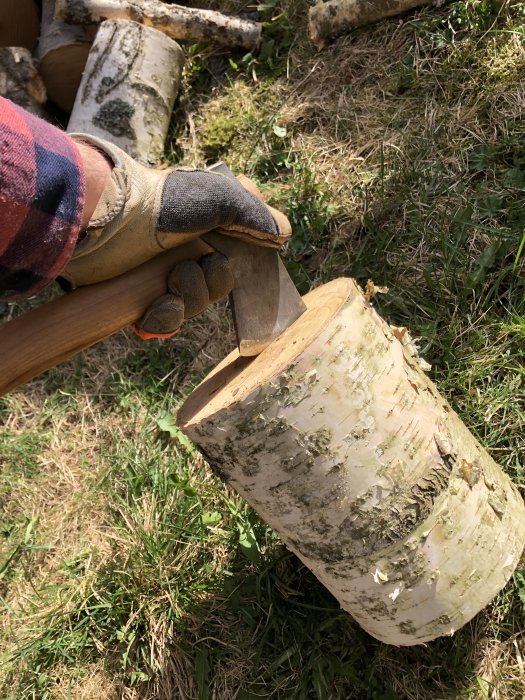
(143, 212)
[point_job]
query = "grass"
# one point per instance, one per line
(127, 569)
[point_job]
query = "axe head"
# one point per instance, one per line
(264, 299)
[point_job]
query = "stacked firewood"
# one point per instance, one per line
(114, 65)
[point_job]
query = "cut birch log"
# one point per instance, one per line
(342, 444)
(19, 23)
(62, 54)
(177, 22)
(327, 20)
(20, 81)
(128, 89)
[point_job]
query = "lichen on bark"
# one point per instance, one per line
(114, 117)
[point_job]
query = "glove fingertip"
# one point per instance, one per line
(218, 275)
(144, 335)
(187, 279)
(163, 318)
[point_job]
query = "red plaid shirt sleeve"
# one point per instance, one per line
(42, 189)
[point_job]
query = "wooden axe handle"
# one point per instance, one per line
(53, 332)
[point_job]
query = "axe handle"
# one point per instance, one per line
(53, 332)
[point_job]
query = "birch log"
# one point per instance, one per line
(343, 445)
(128, 89)
(19, 23)
(179, 23)
(326, 20)
(20, 81)
(62, 54)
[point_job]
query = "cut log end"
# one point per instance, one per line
(61, 70)
(342, 444)
(236, 377)
(62, 54)
(19, 23)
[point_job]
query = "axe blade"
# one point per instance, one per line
(264, 299)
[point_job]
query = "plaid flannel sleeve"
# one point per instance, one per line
(42, 190)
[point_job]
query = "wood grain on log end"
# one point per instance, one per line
(61, 71)
(62, 54)
(236, 377)
(19, 23)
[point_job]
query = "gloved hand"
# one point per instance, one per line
(143, 212)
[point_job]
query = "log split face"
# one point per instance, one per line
(341, 443)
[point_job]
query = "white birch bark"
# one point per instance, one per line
(62, 54)
(178, 22)
(342, 444)
(326, 20)
(20, 81)
(128, 89)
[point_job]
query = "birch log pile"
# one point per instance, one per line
(128, 89)
(178, 22)
(327, 20)
(19, 23)
(342, 444)
(20, 81)
(62, 54)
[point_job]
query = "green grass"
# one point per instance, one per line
(127, 569)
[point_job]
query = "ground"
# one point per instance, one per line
(128, 570)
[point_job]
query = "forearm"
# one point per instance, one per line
(97, 171)
(53, 186)
(42, 201)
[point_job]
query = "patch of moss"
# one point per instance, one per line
(494, 64)
(233, 123)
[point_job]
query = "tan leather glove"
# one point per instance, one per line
(143, 212)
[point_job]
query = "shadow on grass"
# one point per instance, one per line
(274, 631)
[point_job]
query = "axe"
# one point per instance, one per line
(264, 302)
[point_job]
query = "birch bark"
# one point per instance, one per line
(178, 22)
(339, 440)
(128, 89)
(327, 20)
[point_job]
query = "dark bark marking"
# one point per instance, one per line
(115, 117)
